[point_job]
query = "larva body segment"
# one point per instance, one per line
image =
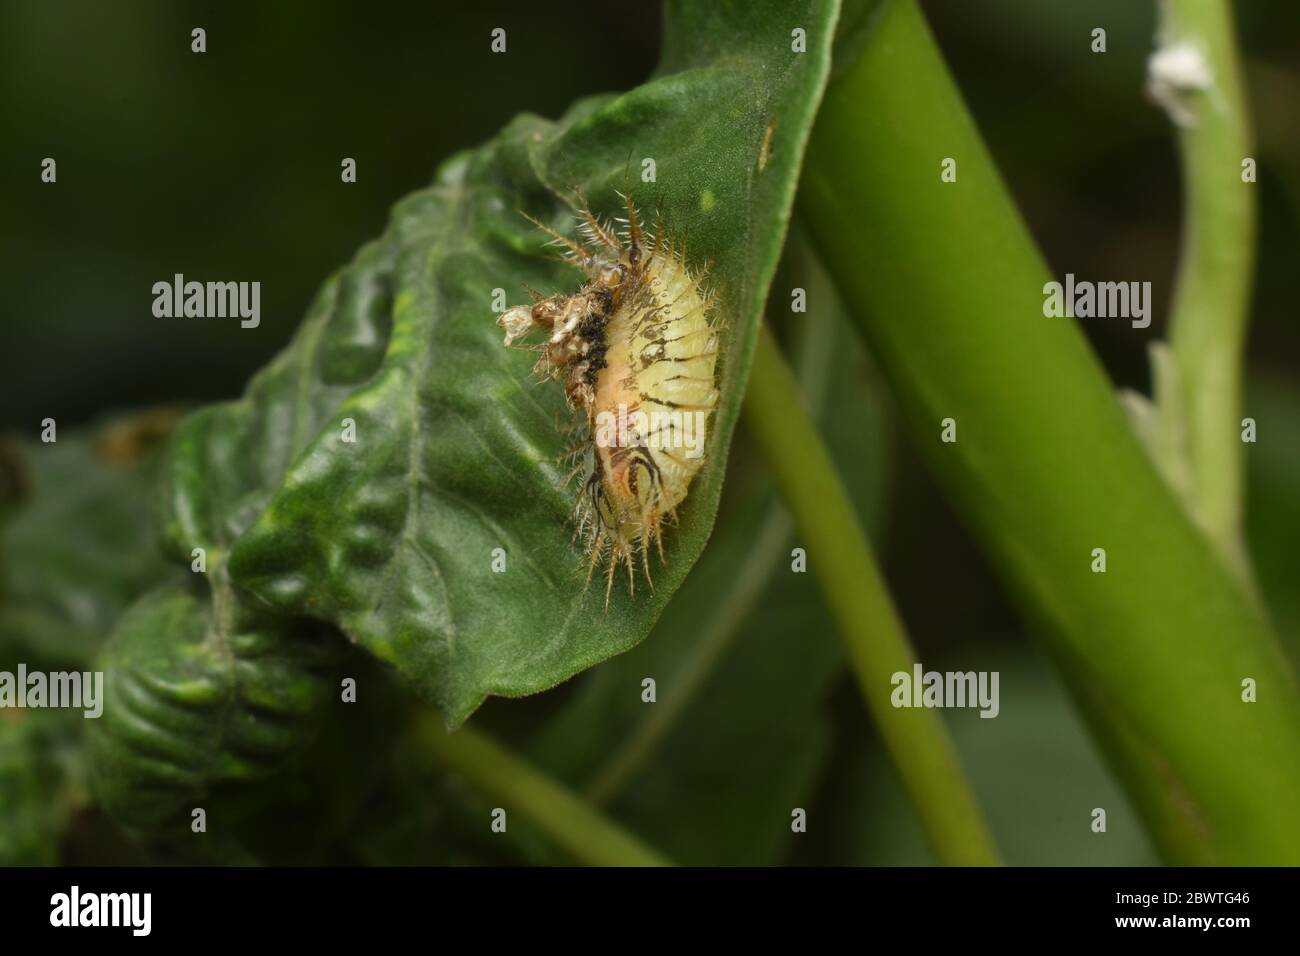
(636, 349)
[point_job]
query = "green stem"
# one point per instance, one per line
(868, 623)
(689, 677)
(1212, 292)
(575, 826)
(947, 288)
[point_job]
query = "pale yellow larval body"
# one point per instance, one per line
(660, 386)
(636, 348)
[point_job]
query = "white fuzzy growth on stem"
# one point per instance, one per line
(1174, 73)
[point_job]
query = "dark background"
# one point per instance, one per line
(225, 166)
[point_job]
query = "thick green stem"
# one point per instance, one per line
(947, 288)
(873, 635)
(1212, 294)
(574, 825)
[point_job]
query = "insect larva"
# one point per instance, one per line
(636, 349)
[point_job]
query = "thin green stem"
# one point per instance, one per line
(1212, 292)
(693, 671)
(575, 826)
(868, 623)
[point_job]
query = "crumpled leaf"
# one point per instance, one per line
(309, 813)
(391, 536)
(197, 700)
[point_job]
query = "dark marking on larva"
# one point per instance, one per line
(639, 295)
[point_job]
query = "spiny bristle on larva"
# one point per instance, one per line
(636, 350)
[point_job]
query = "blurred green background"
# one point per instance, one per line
(226, 166)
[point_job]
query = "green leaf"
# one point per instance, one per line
(391, 536)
